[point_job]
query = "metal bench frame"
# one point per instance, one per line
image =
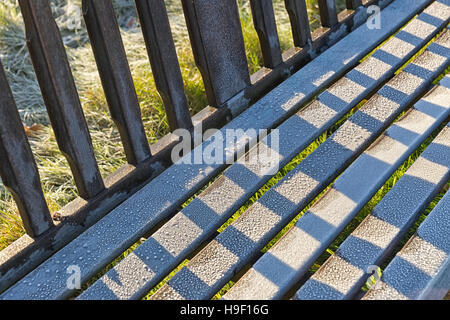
(215, 35)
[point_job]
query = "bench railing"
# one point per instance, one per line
(17, 166)
(218, 45)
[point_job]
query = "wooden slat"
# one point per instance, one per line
(328, 13)
(377, 235)
(218, 44)
(265, 25)
(124, 225)
(239, 243)
(421, 270)
(353, 4)
(17, 166)
(60, 95)
(242, 180)
(163, 58)
(116, 78)
(298, 16)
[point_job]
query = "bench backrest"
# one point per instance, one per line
(218, 46)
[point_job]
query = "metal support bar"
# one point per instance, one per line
(60, 95)
(298, 16)
(328, 13)
(353, 4)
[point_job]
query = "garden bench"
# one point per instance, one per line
(347, 77)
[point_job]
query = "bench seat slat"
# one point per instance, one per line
(242, 180)
(277, 271)
(218, 46)
(207, 272)
(132, 219)
(421, 270)
(344, 273)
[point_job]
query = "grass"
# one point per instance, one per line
(55, 174)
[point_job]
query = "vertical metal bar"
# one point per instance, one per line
(60, 95)
(328, 13)
(298, 15)
(218, 45)
(115, 74)
(164, 61)
(265, 25)
(17, 166)
(353, 4)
